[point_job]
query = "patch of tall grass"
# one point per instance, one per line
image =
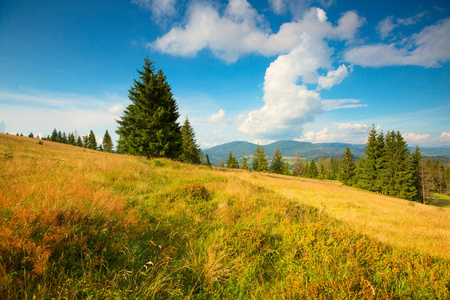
(77, 223)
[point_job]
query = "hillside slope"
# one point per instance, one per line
(77, 223)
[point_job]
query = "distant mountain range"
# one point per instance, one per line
(308, 151)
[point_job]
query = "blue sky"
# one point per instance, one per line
(259, 71)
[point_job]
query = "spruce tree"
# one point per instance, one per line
(231, 161)
(54, 137)
(277, 165)
(208, 163)
(367, 171)
(191, 151)
(347, 168)
(71, 139)
(244, 164)
(417, 162)
(79, 142)
(312, 169)
(287, 169)
(149, 125)
(107, 142)
(31, 135)
(92, 141)
(259, 160)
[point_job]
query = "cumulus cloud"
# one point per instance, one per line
(159, 8)
(295, 7)
(428, 48)
(303, 50)
(318, 137)
(333, 104)
(115, 109)
(427, 139)
(352, 129)
(217, 117)
(334, 77)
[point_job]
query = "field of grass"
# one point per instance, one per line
(76, 223)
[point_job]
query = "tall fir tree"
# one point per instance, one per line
(208, 163)
(191, 151)
(107, 142)
(312, 169)
(286, 168)
(232, 162)
(347, 168)
(259, 160)
(149, 125)
(244, 164)
(92, 141)
(367, 168)
(417, 162)
(277, 165)
(54, 136)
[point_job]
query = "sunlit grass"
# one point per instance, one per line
(77, 223)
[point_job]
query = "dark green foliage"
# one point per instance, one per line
(208, 163)
(54, 137)
(312, 170)
(191, 151)
(71, 139)
(107, 142)
(277, 165)
(79, 142)
(92, 141)
(347, 168)
(259, 160)
(31, 135)
(244, 164)
(232, 162)
(149, 125)
(387, 167)
(287, 169)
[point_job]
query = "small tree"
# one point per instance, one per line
(31, 135)
(191, 151)
(79, 142)
(259, 160)
(92, 141)
(208, 163)
(277, 165)
(298, 165)
(244, 164)
(312, 169)
(347, 168)
(107, 142)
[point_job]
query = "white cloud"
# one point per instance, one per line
(295, 7)
(159, 8)
(241, 30)
(428, 48)
(115, 109)
(427, 139)
(302, 47)
(217, 117)
(334, 77)
(318, 137)
(412, 20)
(353, 129)
(386, 26)
(333, 104)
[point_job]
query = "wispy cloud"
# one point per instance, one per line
(428, 48)
(333, 104)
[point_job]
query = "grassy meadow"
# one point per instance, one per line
(77, 223)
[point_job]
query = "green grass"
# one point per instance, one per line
(441, 200)
(76, 223)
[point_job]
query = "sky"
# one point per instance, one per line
(257, 71)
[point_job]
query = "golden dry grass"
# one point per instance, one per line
(391, 220)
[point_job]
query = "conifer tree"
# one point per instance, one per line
(312, 169)
(31, 135)
(92, 141)
(107, 142)
(79, 142)
(244, 164)
(149, 125)
(71, 139)
(231, 161)
(54, 136)
(208, 163)
(191, 151)
(367, 168)
(277, 165)
(259, 160)
(85, 141)
(417, 161)
(298, 165)
(347, 168)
